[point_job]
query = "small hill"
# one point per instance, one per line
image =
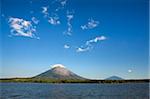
(114, 78)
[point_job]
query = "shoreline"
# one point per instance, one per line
(31, 80)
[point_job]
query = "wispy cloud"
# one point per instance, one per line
(35, 20)
(45, 11)
(66, 46)
(80, 49)
(61, 4)
(129, 71)
(95, 40)
(69, 18)
(90, 25)
(21, 27)
(52, 19)
(90, 43)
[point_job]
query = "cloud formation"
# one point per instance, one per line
(90, 43)
(66, 46)
(35, 20)
(80, 49)
(90, 25)
(58, 65)
(61, 4)
(53, 19)
(129, 71)
(21, 27)
(69, 18)
(95, 40)
(45, 11)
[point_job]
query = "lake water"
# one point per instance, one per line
(73, 91)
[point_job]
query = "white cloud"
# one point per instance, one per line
(21, 27)
(90, 25)
(61, 4)
(45, 10)
(66, 46)
(90, 43)
(35, 21)
(53, 19)
(95, 40)
(82, 49)
(58, 65)
(129, 70)
(26, 23)
(69, 18)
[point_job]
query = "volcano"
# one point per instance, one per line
(114, 78)
(59, 72)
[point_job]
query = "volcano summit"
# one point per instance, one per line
(59, 72)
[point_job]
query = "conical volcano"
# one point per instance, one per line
(59, 72)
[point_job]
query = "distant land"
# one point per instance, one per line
(60, 74)
(114, 78)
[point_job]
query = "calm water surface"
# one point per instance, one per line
(73, 91)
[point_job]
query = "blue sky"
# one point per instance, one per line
(94, 38)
